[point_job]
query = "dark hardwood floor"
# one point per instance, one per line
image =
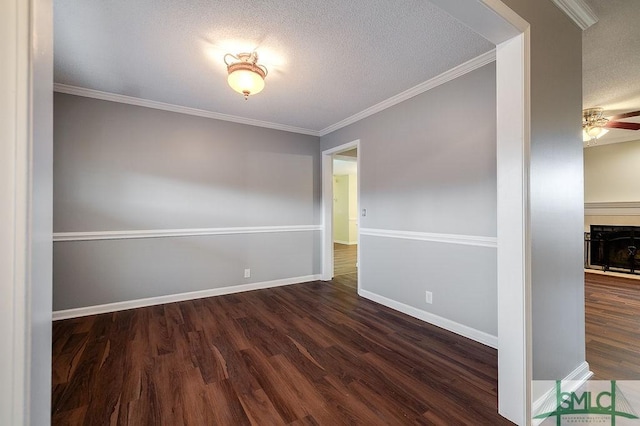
(612, 312)
(304, 354)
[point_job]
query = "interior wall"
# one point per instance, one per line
(345, 206)
(125, 169)
(556, 190)
(424, 176)
(611, 172)
(341, 209)
(41, 201)
(353, 209)
(611, 190)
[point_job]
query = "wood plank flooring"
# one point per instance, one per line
(344, 258)
(612, 312)
(344, 264)
(305, 354)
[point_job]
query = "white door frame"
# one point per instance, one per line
(327, 206)
(15, 134)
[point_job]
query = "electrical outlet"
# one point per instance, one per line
(247, 273)
(429, 297)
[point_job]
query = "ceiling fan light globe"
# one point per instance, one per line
(590, 133)
(594, 132)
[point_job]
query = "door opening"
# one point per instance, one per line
(345, 218)
(340, 211)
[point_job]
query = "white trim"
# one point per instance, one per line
(162, 233)
(180, 297)
(447, 324)
(16, 174)
(515, 351)
(327, 217)
(470, 240)
(436, 81)
(630, 208)
(130, 100)
(578, 11)
(575, 380)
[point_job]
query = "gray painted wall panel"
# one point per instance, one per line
(88, 273)
(457, 275)
(429, 165)
(119, 167)
(556, 189)
(41, 193)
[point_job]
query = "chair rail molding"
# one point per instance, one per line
(164, 233)
(621, 208)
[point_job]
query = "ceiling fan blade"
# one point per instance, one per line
(625, 115)
(622, 125)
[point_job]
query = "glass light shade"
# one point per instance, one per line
(246, 82)
(590, 133)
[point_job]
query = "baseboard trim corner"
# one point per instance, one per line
(447, 324)
(179, 297)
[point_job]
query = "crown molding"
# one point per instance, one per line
(123, 99)
(578, 11)
(446, 76)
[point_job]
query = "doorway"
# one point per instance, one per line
(345, 218)
(340, 211)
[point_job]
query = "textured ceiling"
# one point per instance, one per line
(611, 62)
(327, 60)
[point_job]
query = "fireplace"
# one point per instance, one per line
(614, 248)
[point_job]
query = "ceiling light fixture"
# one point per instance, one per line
(593, 122)
(246, 76)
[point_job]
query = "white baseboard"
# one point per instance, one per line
(571, 382)
(160, 300)
(447, 324)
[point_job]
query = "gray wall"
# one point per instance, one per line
(40, 293)
(556, 183)
(429, 165)
(119, 167)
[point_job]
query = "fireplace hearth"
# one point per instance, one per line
(614, 248)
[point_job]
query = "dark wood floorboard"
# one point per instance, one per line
(612, 312)
(305, 354)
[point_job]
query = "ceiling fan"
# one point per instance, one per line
(596, 125)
